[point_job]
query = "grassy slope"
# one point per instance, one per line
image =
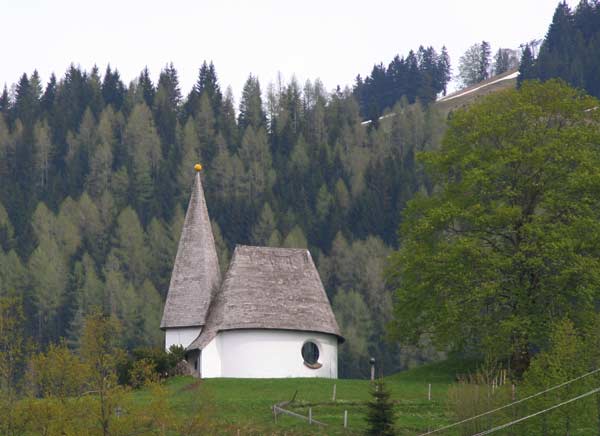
(245, 404)
(445, 106)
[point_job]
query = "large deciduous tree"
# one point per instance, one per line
(474, 64)
(510, 237)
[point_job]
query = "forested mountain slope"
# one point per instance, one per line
(95, 176)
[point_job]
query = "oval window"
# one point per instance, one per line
(310, 353)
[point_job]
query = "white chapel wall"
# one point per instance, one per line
(183, 336)
(211, 359)
(267, 354)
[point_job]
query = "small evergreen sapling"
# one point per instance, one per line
(380, 413)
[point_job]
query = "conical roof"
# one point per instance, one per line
(270, 288)
(196, 275)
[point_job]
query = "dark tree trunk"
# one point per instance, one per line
(519, 361)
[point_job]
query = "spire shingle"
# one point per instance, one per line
(196, 274)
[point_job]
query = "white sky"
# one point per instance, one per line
(333, 40)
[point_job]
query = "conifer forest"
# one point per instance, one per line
(95, 177)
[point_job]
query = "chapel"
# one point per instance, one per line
(268, 317)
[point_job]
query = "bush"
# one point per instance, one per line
(142, 372)
(480, 392)
(162, 363)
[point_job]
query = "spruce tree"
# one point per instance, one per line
(93, 92)
(167, 106)
(49, 96)
(380, 411)
(265, 226)
(251, 108)
(43, 150)
(444, 70)
(527, 69)
(147, 87)
(229, 126)
(209, 84)
(4, 101)
(113, 89)
(484, 60)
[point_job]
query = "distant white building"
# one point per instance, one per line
(269, 317)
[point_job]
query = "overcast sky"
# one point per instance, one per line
(329, 39)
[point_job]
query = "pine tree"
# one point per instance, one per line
(444, 70)
(4, 102)
(380, 411)
(43, 150)
(484, 60)
(93, 92)
(206, 129)
(221, 246)
(208, 84)
(502, 61)
(229, 127)
(161, 255)
(354, 318)
(149, 312)
(98, 178)
(265, 226)
(190, 155)
(256, 157)
(49, 272)
(144, 152)
(113, 89)
(295, 239)
(22, 106)
(15, 282)
(93, 226)
(80, 145)
(166, 107)
(130, 247)
(251, 108)
(146, 87)
(49, 96)
(527, 68)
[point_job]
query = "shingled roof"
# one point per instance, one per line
(196, 274)
(269, 288)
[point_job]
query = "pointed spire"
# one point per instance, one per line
(196, 274)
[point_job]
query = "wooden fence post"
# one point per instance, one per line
(333, 398)
(345, 419)
(310, 415)
(429, 392)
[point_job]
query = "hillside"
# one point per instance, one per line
(233, 404)
(95, 178)
(466, 96)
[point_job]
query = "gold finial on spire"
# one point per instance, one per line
(198, 167)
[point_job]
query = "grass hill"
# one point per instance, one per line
(244, 405)
(468, 95)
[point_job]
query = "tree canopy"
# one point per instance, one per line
(571, 48)
(509, 239)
